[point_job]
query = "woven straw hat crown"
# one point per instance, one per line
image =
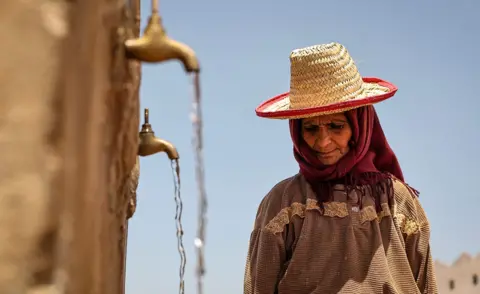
(324, 74)
(324, 80)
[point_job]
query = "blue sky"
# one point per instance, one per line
(429, 49)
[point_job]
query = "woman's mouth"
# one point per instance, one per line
(326, 154)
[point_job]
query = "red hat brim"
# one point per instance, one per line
(325, 109)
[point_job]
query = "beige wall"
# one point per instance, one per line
(69, 120)
(460, 274)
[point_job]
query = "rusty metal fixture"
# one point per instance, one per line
(155, 46)
(149, 144)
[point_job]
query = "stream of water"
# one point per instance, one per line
(178, 221)
(197, 139)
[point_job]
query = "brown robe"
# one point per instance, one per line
(296, 249)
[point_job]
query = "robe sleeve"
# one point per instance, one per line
(266, 250)
(416, 232)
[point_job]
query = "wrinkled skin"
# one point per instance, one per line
(328, 135)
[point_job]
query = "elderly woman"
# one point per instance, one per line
(347, 222)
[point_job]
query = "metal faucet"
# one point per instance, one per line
(156, 46)
(149, 144)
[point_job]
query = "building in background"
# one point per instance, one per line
(462, 277)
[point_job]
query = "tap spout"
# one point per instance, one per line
(156, 46)
(149, 144)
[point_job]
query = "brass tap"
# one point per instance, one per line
(156, 46)
(149, 144)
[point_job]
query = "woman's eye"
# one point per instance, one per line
(335, 126)
(311, 129)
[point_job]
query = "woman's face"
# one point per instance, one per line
(328, 136)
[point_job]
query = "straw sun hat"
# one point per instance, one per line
(324, 80)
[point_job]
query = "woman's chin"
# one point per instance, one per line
(328, 160)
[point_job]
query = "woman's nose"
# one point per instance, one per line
(323, 139)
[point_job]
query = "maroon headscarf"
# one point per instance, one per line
(370, 160)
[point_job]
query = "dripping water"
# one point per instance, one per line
(178, 221)
(197, 139)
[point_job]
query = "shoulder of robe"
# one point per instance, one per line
(408, 211)
(276, 200)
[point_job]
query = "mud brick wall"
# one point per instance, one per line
(68, 142)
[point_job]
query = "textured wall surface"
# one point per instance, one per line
(32, 35)
(68, 143)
